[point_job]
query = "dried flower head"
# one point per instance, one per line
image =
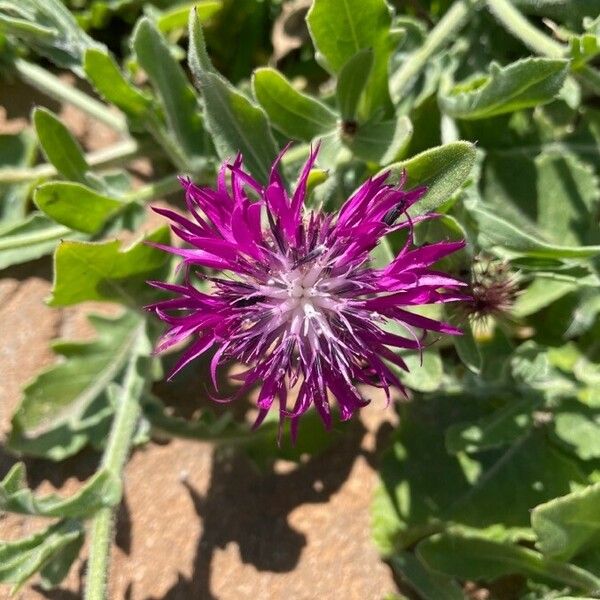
(494, 289)
(294, 294)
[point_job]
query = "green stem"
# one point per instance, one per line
(114, 458)
(118, 154)
(447, 26)
(169, 145)
(521, 28)
(162, 187)
(52, 86)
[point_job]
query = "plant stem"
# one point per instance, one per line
(521, 28)
(52, 86)
(162, 187)
(114, 458)
(447, 26)
(116, 154)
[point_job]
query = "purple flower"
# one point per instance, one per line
(294, 295)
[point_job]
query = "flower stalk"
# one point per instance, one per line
(114, 459)
(49, 84)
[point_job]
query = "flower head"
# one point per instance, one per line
(294, 294)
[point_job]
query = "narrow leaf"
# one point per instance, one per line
(352, 80)
(59, 146)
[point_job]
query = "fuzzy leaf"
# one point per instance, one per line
(23, 558)
(76, 206)
(443, 170)
(525, 83)
(67, 405)
(351, 83)
(49, 29)
(509, 240)
(567, 525)
(177, 94)
(235, 123)
(101, 490)
(476, 558)
(294, 114)
(104, 74)
(380, 142)
(59, 145)
(30, 238)
(178, 16)
(341, 28)
(102, 271)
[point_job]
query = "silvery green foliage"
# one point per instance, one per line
(493, 470)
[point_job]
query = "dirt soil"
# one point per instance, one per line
(194, 524)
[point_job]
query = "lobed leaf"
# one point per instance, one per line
(101, 490)
(68, 406)
(23, 558)
(102, 271)
(523, 84)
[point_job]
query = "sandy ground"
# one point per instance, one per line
(195, 524)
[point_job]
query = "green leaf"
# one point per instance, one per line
(101, 490)
(425, 372)
(76, 206)
(583, 48)
(49, 29)
(475, 558)
(59, 565)
(178, 97)
(30, 238)
(68, 405)
(567, 525)
(235, 123)
(539, 294)
(429, 584)
(21, 559)
(578, 428)
(102, 271)
(443, 170)
(59, 146)
(380, 142)
(19, 150)
(351, 83)
(178, 16)
(497, 429)
(508, 240)
(341, 28)
(525, 83)
(294, 114)
(493, 491)
(104, 74)
(465, 344)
